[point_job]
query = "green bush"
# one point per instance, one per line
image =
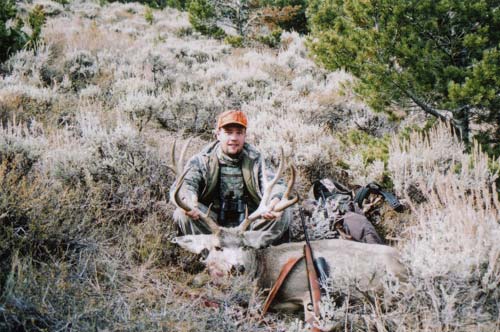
(148, 15)
(273, 39)
(36, 19)
(202, 17)
(234, 41)
(11, 37)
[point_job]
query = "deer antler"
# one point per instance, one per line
(268, 187)
(177, 167)
(285, 202)
(205, 217)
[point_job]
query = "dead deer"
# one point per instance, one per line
(229, 250)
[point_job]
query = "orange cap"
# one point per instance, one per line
(232, 116)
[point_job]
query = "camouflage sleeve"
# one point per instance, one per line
(193, 181)
(279, 188)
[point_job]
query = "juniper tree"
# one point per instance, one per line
(439, 56)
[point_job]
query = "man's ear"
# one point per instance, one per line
(196, 243)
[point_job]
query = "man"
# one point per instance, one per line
(228, 174)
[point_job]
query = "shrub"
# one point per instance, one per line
(12, 38)
(81, 67)
(234, 41)
(36, 19)
(141, 107)
(25, 102)
(202, 17)
(273, 39)
(289, 15)
(191, 112)
(148, 15)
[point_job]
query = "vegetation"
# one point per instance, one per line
(441, 57)
(87, 122)
(36, 19)
(249, 20)
(290, 15)
(148, 15)
(179, 4)
(12, 38)
(203, 17)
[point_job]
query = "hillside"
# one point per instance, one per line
(89, 120)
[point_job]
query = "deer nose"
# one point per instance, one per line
(237, 269)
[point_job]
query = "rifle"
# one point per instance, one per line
(312, 275)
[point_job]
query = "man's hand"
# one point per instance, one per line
(194, 213)
(270, 214)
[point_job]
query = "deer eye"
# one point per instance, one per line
(218, 248)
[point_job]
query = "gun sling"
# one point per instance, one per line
(285, 270)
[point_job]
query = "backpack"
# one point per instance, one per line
(332, 210)
(351, 200)
(343, 208)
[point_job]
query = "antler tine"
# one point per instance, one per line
(173, 166)
(268, 187)
(279, 171)
(286, 201)
(269, 184)
(183, 154)
(186, 207)
(178, 166)
(244, 225)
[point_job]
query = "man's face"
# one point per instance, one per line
(231, 138)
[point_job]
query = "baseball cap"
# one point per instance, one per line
(232, 117)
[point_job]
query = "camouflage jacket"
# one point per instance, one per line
(201, 181)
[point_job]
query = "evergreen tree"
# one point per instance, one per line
(440, 56)
(203, 17)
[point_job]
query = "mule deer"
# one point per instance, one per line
(229, 250)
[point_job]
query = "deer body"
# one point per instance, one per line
(362, 262)
(231, 251)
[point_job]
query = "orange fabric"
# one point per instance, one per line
(285, 270)
(232, 117)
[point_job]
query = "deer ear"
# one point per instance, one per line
(256, 239)
(196, 243)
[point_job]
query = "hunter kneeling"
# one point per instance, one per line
(229, 174)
